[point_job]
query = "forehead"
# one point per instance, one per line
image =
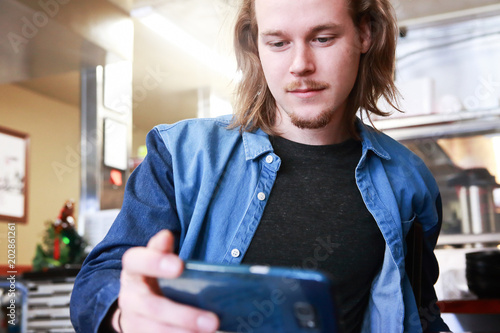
(300, 14)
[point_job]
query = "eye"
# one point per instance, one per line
(323, 40)
(278, 44)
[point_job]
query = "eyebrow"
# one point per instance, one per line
(316, 29)
(324, 27)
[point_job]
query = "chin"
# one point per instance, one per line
(315, 122)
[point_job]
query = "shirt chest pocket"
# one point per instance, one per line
(406, 224)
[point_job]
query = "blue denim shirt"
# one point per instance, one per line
(209, 186)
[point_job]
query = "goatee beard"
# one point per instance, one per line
(323, 118)
(318, 122)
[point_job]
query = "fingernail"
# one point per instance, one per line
(207, 323)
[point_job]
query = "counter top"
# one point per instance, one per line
(472, 306)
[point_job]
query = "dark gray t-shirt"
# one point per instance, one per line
(316, 219)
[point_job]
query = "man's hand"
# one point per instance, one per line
(141, 306)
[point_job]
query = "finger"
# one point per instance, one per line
(139, 324)
(142, 261)
(168, 312)
(163, 241)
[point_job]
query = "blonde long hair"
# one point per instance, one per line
(256, 106)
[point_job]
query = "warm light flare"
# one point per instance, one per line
(189, 44)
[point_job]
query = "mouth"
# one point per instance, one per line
(306, 89)
(306, 92)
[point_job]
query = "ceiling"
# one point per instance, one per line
(180, 76)
(207, 21)
(210, 21)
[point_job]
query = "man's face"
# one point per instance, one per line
(309, 50)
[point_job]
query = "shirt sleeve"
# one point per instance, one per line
(148, 207)
(430, 314)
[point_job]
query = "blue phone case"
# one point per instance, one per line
(258, 299)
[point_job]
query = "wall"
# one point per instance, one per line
(54, 129)
(138, 139)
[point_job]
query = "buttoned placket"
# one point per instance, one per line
(269, 167)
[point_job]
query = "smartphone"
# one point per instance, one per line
(258, 299)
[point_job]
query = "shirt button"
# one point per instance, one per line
(261, 196)
(235, 253)
(269, 159)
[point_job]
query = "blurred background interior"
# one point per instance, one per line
(84, 81)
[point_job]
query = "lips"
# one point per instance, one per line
(306, 92)
(306, 89)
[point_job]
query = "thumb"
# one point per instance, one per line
(163, 242)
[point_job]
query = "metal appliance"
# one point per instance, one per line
(448, 73)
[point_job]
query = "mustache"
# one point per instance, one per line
(306, 84)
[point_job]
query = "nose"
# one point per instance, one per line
(302, 61)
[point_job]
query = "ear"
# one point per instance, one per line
(365, 34)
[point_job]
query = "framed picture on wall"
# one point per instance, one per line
(14, 148)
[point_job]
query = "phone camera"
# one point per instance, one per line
(305, 314)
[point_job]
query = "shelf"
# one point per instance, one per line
(440, 125)
(460, 239)
(433, 119)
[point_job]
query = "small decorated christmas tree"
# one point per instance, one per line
(61, 245)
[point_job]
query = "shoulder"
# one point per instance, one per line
(195, 124)
(378, 138)
(398, 160)
(399, 169)
(189, 131)
(385, 146)
(394, 147)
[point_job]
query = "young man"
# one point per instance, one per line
(293, 176)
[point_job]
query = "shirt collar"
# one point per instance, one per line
(370, 139)
(257, 143)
